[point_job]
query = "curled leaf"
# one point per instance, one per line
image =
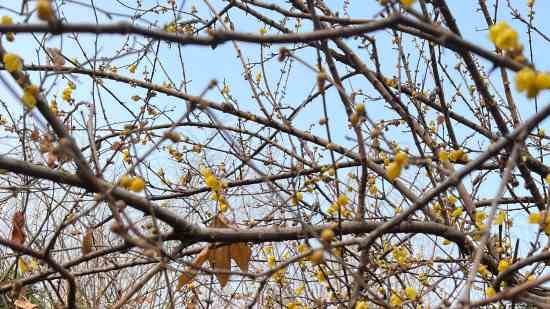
(87, 242)
(24, 304)
(220, 259)
(241, 253)
(18, 234)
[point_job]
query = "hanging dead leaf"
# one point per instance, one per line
(241, 253)
(190, 273)
(220, 259)
(18, 228)
(87, 242)
(35, 135)
(24, 304)
(56, 58)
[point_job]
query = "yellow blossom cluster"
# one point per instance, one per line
(297, 198)
(44, 10)
(327, 235)
(29, 96)
(340, 205)
(503, 265)
(532, 82)
(456, 155)
(407, 2)
(490, 292)
(479, 219)
(126, 157)
(175, 154)
(504, 37)
(68, 91)
(542, 220)
(401, 256)
(12, 62)
(217, 186)
(7, 20)
(296, 305)
(135, 184)
(483, 272)
(394, 168)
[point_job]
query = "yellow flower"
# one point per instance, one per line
(496, 29)
(327, 235)
(507, 39)
(28, 100)
(12, 62)
(490, 292)
(535, 218)
(503, 36)
(125, 181)
(6, 20)
(443, 155)
(503, 265)
(213, 183)
(320, 275)
(361, 305)
(457, 213)
(458, 155)
(395, 300)
(542, 81)
(482, 270)
(222, 207)
(302, 248)
(44, 10)
(407, 2)
(271, 261)
(292, 305)
(67, 94)
(137, 184)
(451, 199)
(500, 218)
(394, 170)
(22, 264)
(297, 198)
(342, 200)
(132, 68)
(411, 293)
(401, 158)
(526, 81)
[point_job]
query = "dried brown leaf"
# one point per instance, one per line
(220, 259)
(18, 234)
(241, 254)
(56, 56)
(87, 242)
(190, 273)
(24, 304)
